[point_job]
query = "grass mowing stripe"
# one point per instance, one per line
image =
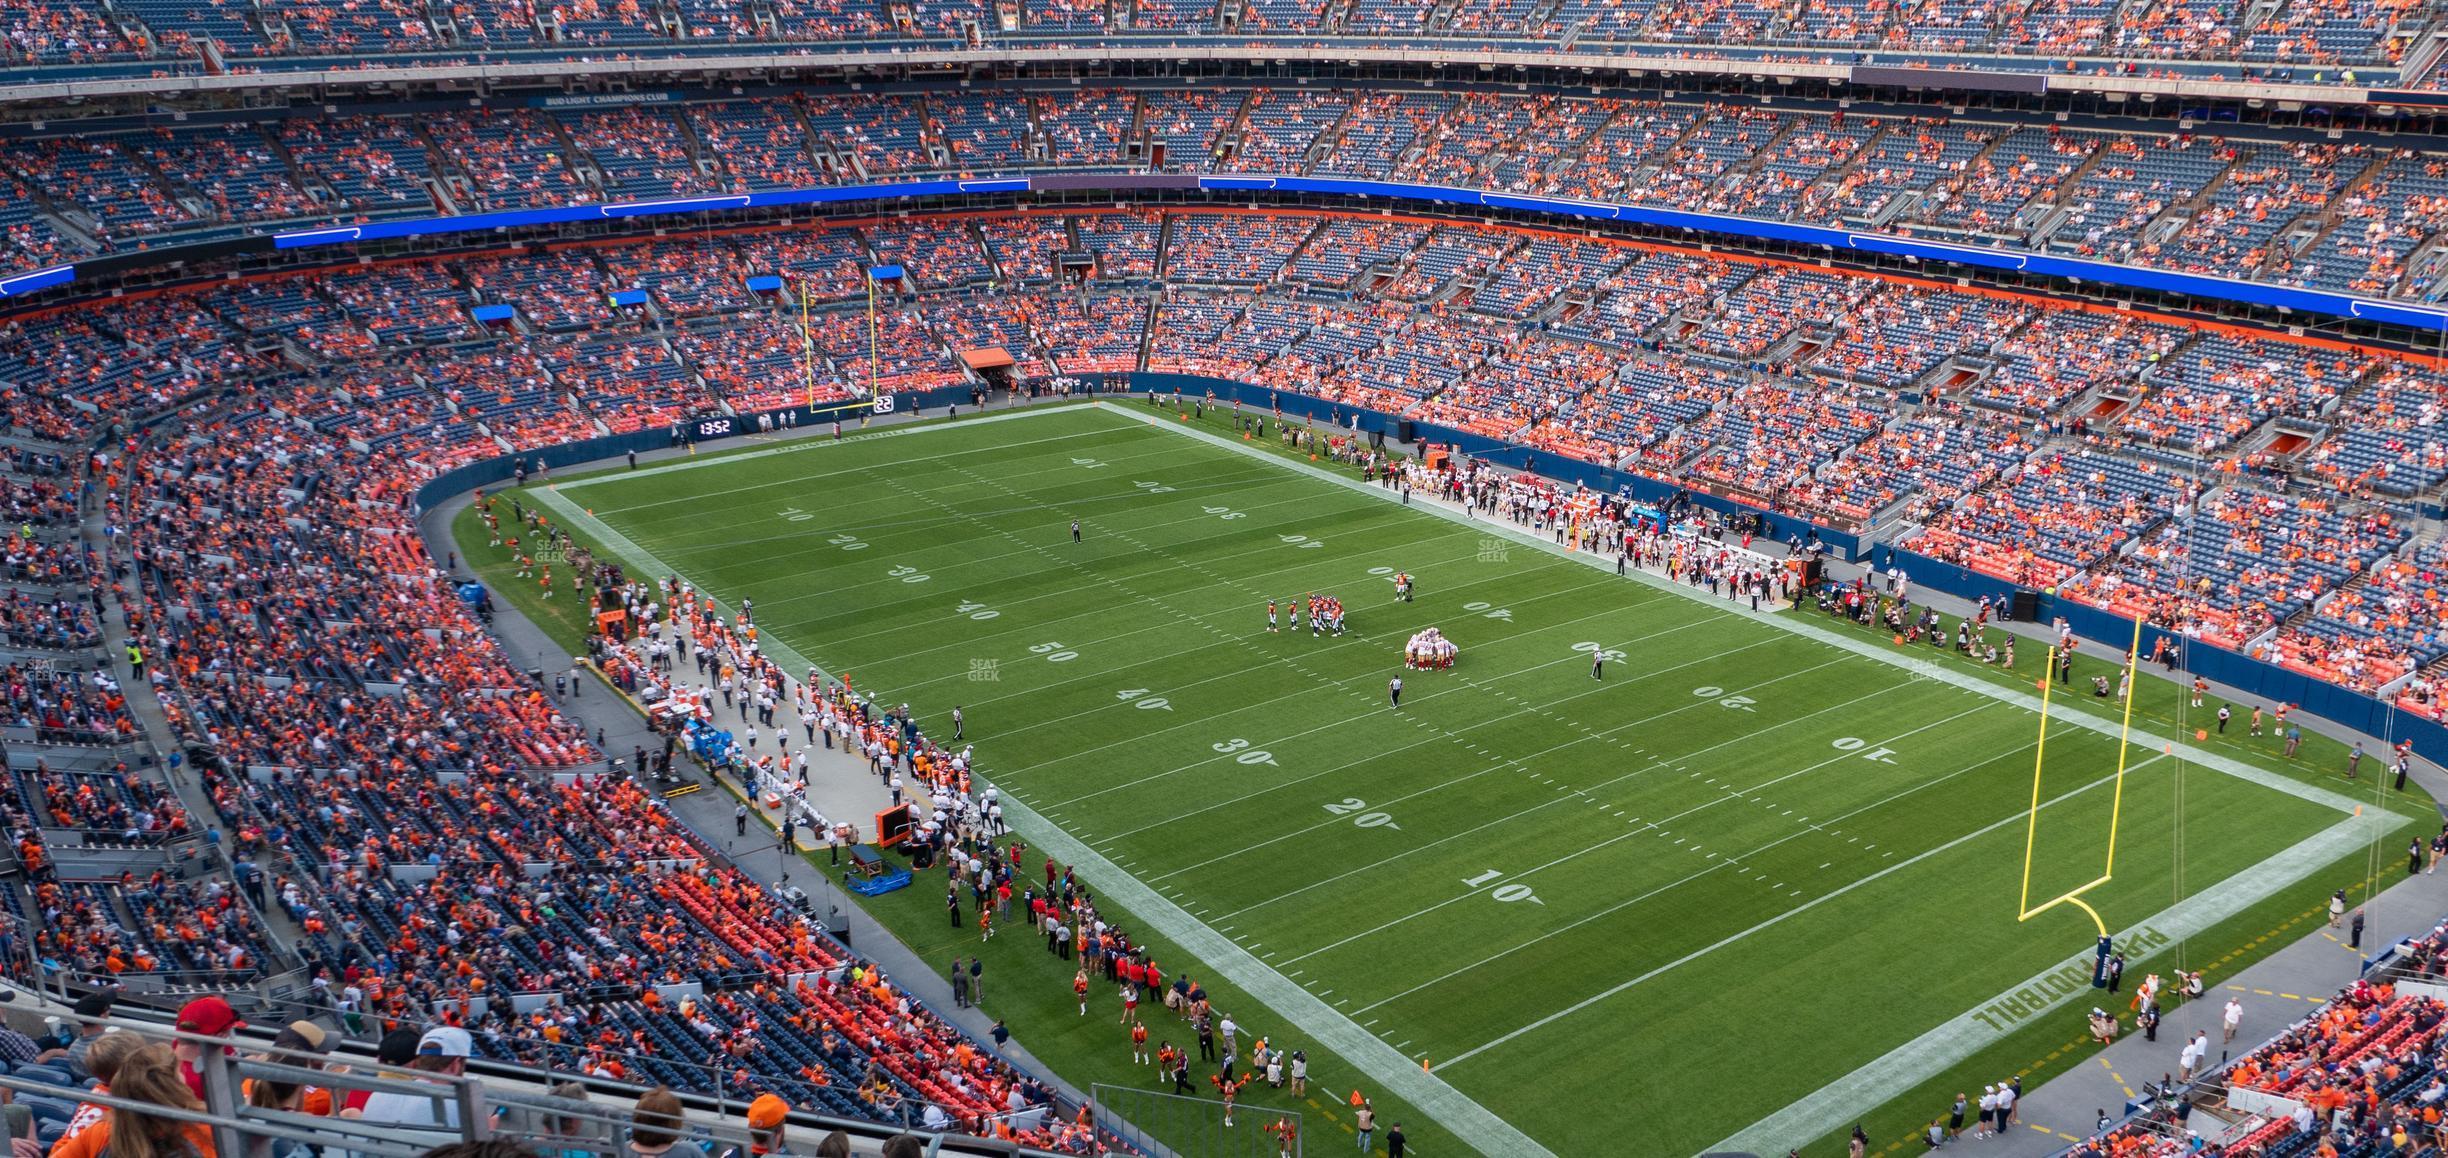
(2059, 712)
(765, 616)
(1335, 821)
(808, 446)
(1654, 765)
(1738, 860)
(1608, 842)
(922, 529)
(765, 612)
(1331, 725)
(1448, 736)
(1341, 684)
(1139, 738)
(1779, 918)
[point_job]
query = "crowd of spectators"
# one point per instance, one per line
(1933, 459)
(2360, 1074)
(2334, 216)
(356, 721)
(2369, 635)
(391, 735)
(2051, 446)
(2159, 37)
(2052, 516)
(2217, 388)
(2240, 561)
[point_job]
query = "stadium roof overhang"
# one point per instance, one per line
(340, 241)
(1933, 73)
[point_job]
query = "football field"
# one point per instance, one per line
(1758, 877)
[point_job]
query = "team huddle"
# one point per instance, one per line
(1325, 614)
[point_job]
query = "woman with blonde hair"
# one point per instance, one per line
(151, 1075)
(102, 1060)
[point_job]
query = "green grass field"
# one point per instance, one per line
(1760, 881)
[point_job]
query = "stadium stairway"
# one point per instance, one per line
(148, 756)
(147, 709)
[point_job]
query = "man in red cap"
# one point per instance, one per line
(209, 1017)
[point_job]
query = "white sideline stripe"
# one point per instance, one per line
(1925, 1057)
(1388, 1067)
(804, 445)
(1799, 626)
(603, 533)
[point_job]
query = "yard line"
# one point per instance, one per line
(1325, 727)
(1736, 861)
(1842, 641)
(1512, 762)
(2011, 819)
(1586, 850)
(1447, 735)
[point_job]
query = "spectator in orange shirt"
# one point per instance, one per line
(149, 1074)
(103, 1062)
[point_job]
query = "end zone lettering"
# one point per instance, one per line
(2037, 998)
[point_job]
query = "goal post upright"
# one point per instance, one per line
(2116, 808)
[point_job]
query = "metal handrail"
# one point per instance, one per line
(483, 1108)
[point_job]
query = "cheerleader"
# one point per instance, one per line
(1230, 1088)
